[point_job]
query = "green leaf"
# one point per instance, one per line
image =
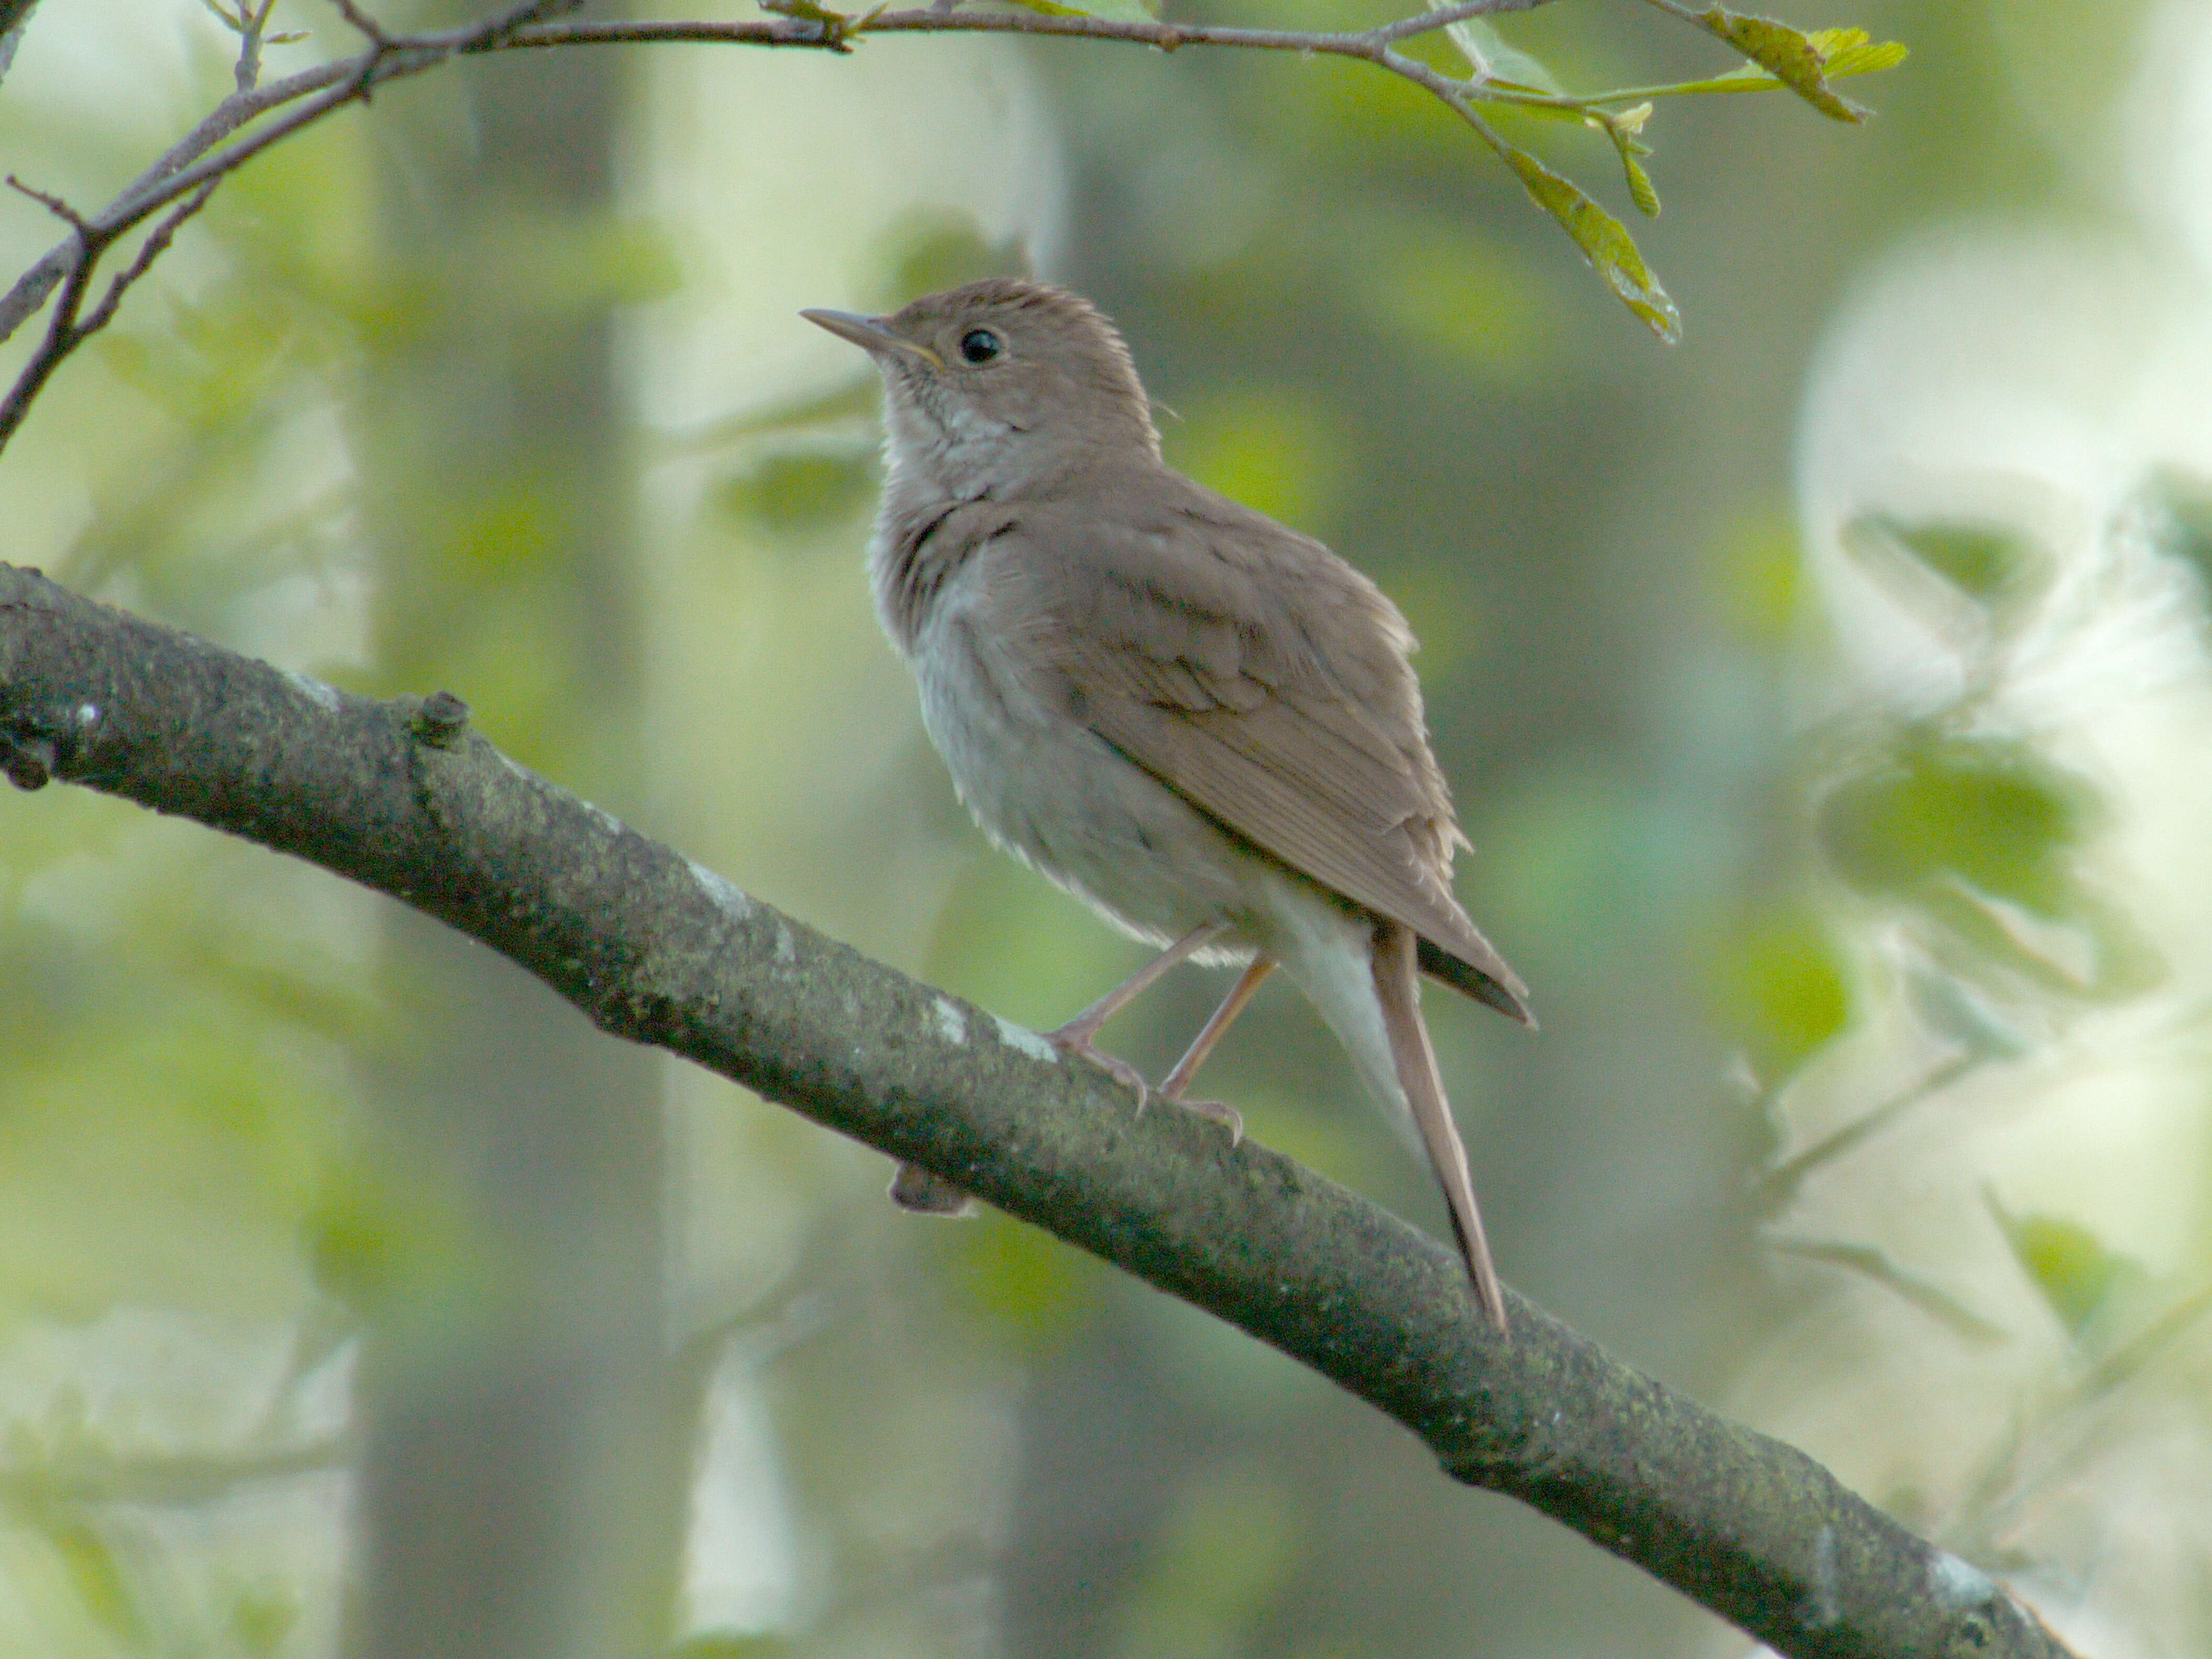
(1991, 813)
(931, 249)
(2067, 1262)
(1848, 52)
(1782, 988)
(730, 1644)
(1991, 564)
(1640, 190)
(97, 1576)
(1494, 62)
(1786, 53)
(835, 22)
(261, 1620)
(852, 402)
(1843, 52)
(1601, 238)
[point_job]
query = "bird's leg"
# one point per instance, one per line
(1179, 1080)
(1074, 1037)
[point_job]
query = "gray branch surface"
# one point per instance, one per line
(402, 798)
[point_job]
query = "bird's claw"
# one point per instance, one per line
(1078, 1044)
(1215, 1111)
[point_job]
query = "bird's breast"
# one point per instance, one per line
(1045, 788)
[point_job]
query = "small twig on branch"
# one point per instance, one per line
(367, 27)
(62, 334)
(155, 245)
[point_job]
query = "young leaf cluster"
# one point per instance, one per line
(1776, 55)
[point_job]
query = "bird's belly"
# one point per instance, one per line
(1049, 790)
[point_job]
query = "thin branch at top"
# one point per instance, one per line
(211, 150)
(306, 98)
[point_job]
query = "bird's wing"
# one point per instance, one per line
(1265, 680)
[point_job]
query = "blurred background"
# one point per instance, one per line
(1827, 699)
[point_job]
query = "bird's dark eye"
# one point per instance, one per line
(980, 345)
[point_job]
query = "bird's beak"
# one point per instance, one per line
(869, 335)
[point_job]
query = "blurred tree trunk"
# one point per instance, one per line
(523, 1472)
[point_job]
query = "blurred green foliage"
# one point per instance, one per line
(1782, 986)
(2075, 1270)
(1936, 810)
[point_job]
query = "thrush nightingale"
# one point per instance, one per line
(1200, 723)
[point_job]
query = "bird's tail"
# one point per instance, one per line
(1398, 988)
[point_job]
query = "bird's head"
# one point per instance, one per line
(1001, 385)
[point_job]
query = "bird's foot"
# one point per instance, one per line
(1215, 1111)
(1073, 1039)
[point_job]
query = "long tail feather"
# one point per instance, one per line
(1398, 988)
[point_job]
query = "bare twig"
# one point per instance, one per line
(30, 291)
(369, 29)
(70, 326)
(155, 245)
(62, 335)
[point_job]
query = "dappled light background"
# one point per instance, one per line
(1826, 698)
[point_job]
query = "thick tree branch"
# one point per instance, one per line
(653, 948)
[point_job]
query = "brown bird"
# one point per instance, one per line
(1199, 722)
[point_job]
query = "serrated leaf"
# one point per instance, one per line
(1863, 59)
(1640, 190)
(1604, 240)
(1786, 53)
